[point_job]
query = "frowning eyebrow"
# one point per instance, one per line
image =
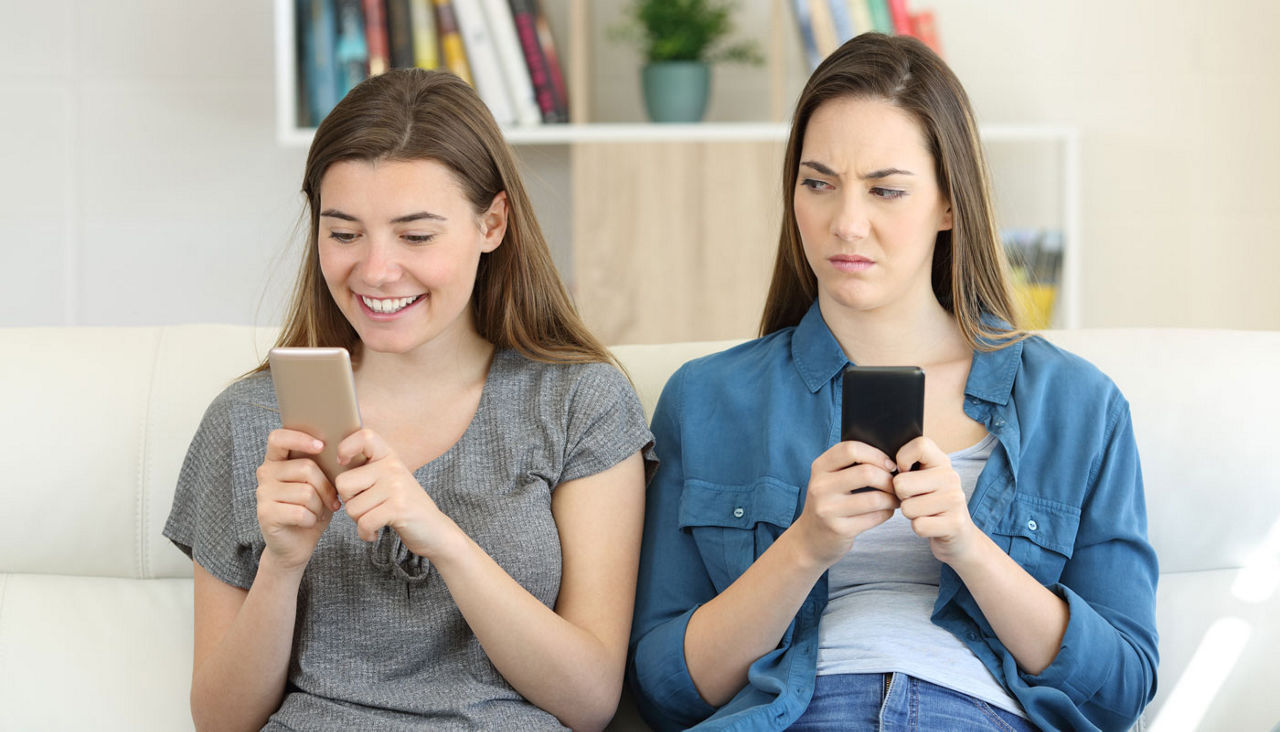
(336, 214)
(873, 175)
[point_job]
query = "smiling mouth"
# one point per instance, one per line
(389, 305)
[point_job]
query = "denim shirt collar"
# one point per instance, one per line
(817, 354)
(819, 359)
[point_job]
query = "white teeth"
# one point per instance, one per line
(388, 306)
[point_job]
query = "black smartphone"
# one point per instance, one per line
(883, 406)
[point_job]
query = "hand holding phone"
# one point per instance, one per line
(883, 406)
(316, 392)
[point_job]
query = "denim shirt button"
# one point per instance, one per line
(1032, 525)
(738, 512)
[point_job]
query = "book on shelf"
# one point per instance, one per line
(924, 25)
(860, 13)
(881, 21)
(540, 57)
(842, 20)
(1035, 262)
(317, 70)
(825, 25)
(548, 44)
(808, 41)
(502, 47)
(515, 72)
(375, 31)
(900, 16)
(351, 48)
(482, 54)
(426, 48)
(400, 34)
(452, 52)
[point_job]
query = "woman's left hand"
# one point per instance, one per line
(383, 492)
(933, 500)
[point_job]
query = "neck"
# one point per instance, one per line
(453, 360)
(909, 332)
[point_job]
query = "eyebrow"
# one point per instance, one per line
(336, 214)
(873, 175)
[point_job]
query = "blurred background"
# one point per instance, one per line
(144, 179)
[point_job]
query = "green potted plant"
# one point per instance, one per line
(680, 40)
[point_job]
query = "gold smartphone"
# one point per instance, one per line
(317, 395)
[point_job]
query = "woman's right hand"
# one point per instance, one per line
(295, 499)
(834, 514)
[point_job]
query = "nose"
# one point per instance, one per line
(380, 265)
(851, 222)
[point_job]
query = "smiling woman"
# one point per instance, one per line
(477, 571)
(399, 247)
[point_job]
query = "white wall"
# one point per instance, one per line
(1179, 108)
(140, 180)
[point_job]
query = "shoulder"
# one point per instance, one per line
(515, 367)
(244, 398)
(555, 384)
(1059, 386)
(1044, 361)
(254, 390)
(752, 359)
(727, 385)
(244, 409)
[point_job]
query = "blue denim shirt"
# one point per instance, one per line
(1062, 494)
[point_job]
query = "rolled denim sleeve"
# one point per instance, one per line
(672, 583)
(1107, 662)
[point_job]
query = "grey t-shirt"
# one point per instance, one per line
(379, 642)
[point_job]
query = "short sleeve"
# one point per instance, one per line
(605, 424)
(209, 520)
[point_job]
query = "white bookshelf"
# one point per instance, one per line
(1063, 140)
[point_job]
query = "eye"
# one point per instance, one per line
(418, 238)
(814, 184)
(345, 237)
(888, 194)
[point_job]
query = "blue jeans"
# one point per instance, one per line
(860, 702)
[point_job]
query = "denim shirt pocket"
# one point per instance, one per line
(733, 524)
(1041, 535)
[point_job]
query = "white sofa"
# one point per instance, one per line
(95, 605)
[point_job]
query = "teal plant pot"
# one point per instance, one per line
(676, 91)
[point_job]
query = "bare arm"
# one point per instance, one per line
(243, 639)
(568, 661)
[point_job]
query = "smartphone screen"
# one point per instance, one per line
(883, 406)
(316, 392)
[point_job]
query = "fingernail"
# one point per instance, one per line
(317, 445)
(890, 466)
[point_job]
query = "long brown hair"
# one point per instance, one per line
(413, 114)
(970, 272)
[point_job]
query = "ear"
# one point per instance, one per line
(947, 222)
(493, 222)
